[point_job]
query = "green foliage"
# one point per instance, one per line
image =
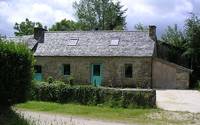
(192, 30)
(89, 95)
(26, 27)
(198, 85)
(50, 79)
(141, 27)
(70, 79)
(66, 25)
(100, 14)
(9, 117)
(16, 70)
(174, 37)
(188, 42)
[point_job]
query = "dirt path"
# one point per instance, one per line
(154, 118)
(51, 119)
(178, 100)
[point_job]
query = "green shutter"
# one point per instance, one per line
(61, 69)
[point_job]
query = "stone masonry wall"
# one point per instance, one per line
(113, 69)
(166, 75)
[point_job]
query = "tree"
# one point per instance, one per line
(174, 37)
(192, 30)
(188, 42)
(26, 27)
(16, 72)
(141, 27)
(65, 25)
(100, 14)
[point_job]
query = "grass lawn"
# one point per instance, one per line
(143, 116)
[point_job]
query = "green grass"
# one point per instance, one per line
(87, 111)
(106, 113)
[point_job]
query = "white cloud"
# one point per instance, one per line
(45, 11)
(160, 13)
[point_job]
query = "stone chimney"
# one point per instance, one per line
(39, 34)
(152, 32)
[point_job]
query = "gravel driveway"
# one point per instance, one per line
(40, 118)
(178, 100)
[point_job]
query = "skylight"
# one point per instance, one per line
(114, 42)
(73, 41)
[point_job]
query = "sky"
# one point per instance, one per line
(148, 12)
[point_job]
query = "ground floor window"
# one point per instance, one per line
(128, 70)
(96, 70)
(38, 72)
(67, 70)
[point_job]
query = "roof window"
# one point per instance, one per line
(73, 41)
(114, 42)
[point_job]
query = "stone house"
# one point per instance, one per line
(104, 58)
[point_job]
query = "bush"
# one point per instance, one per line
(50, 79)
(16, 69)
(10, 117)
(89, 95)
(198, 84)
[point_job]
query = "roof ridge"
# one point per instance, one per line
(93, 31)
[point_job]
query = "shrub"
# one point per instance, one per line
(198, 84)
(50, 79)
(89, 95)
(69, 79)
(10, 117)
(16, 69)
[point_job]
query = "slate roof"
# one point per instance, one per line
(28, 40)
(96, 43)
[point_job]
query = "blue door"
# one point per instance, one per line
(38, 72)
(96, 75)
(38, 76)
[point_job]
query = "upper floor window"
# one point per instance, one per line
(73, 41)
(114, 42)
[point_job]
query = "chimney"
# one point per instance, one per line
(152, 32)
(39, 34)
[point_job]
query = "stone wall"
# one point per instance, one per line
(168, 75)
(113, 69)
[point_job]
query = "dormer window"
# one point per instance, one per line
(73, 41)
(114, 42)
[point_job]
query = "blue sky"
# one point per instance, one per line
(148, 12)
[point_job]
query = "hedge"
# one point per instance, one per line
(89, 95)
(16, 69)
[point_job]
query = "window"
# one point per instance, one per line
(38, 69)
(66, 69)
(128, 70)
(73, 41)
(96, 70)
(114, 42)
